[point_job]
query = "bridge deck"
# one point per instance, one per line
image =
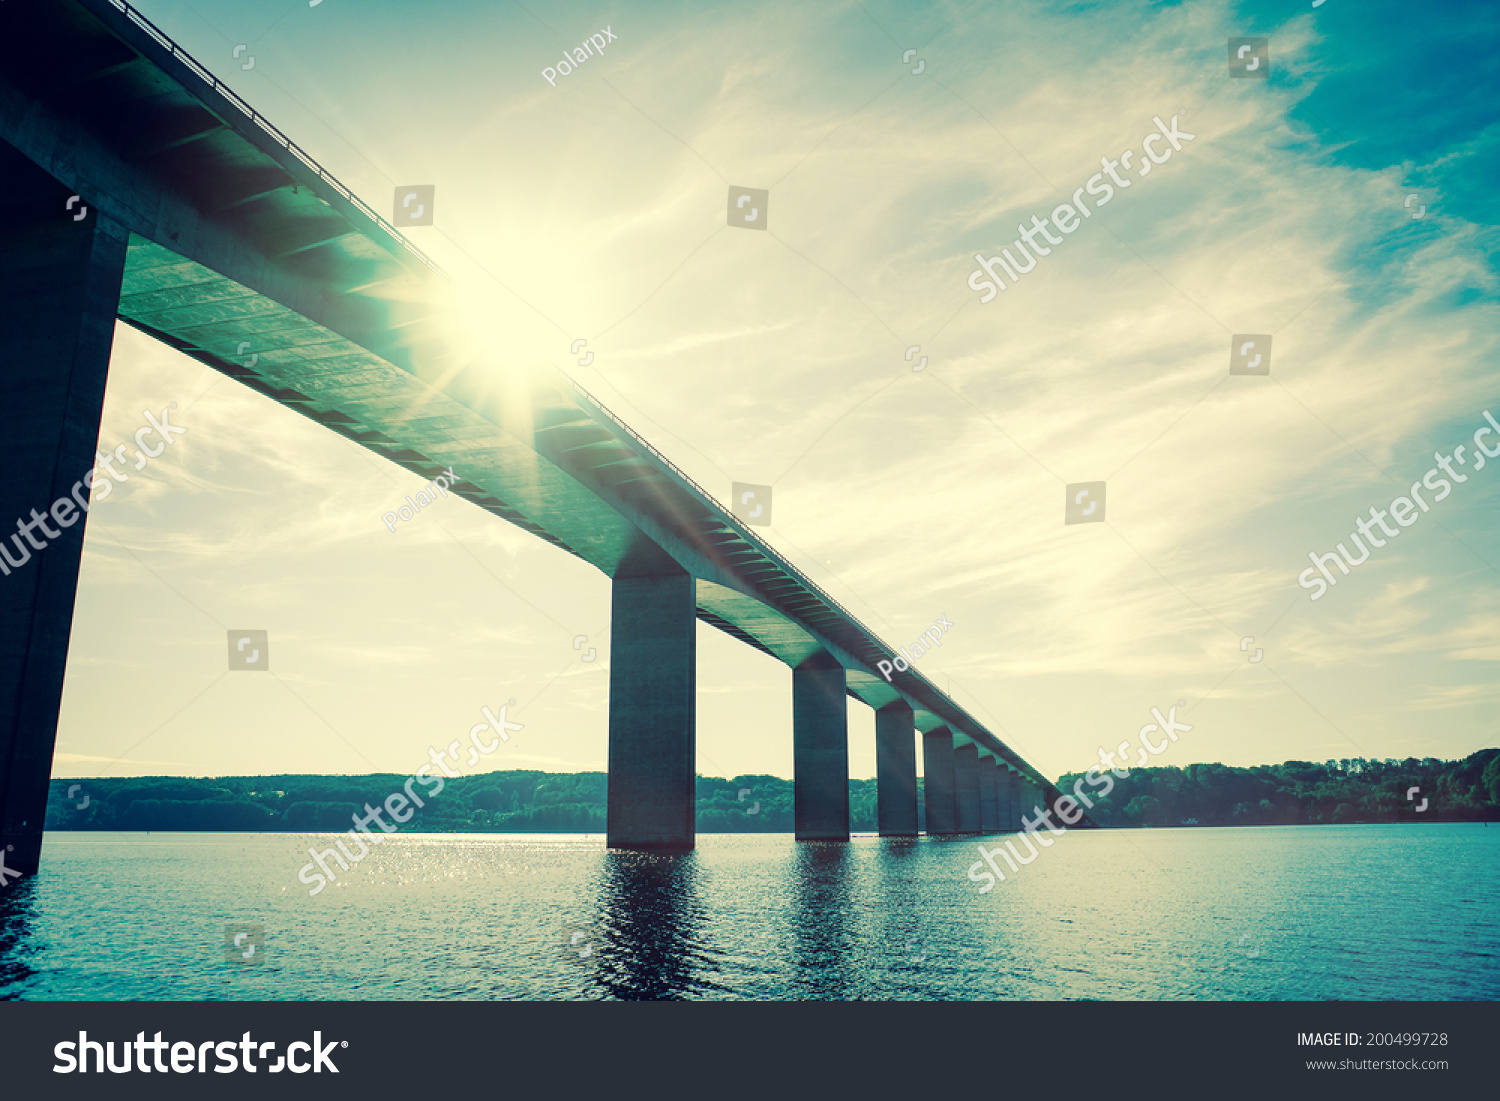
(239, 239)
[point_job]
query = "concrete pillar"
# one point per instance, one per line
(652, 705)
(1023, 810)
(820, 750)
(59, 295)
(938, 781)
(1002, 797)
(966, 787)
(1015, 801)
(989, 796)
(896, 770)
(1029, 800)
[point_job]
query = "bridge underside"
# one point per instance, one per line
(212, 232)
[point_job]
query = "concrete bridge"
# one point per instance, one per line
(209, 229)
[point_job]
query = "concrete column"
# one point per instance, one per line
(989, 796)
(938, 781)
(59, 295)
(1023, 809)
(652, 705)
(1029, 799)
(966, 787)
(896, 770)
(820, 750)
(1015, 801)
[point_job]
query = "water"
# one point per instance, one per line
(1353, 912)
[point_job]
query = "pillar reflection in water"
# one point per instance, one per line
(650, 915)
(906, 940)
(17, 943)
(827, 957)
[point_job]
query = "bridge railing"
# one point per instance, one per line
(276, 135)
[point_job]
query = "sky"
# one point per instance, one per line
(595, 209)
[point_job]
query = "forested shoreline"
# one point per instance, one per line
(1336, 792)
(1293, 793)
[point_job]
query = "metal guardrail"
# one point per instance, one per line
(276, 135)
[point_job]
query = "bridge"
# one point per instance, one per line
(210, 230)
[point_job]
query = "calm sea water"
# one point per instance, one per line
(1381, 912)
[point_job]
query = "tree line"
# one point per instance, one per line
(1351, 790)
(501, 802)
(1344, 791)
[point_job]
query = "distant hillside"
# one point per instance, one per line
(1299, 792)
(539, 802)
(510, 802)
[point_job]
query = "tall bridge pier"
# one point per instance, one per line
(896, 770)
(989, 796)
(966, 785)
(59, 288)
(652, 797)
(820, 750)
(939, 783)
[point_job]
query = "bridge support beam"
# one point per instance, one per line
(820, 750)
(1028, 800)
(1013, 801)
(966, 787)
(938, 782)
(1002, 797)
(896, 770)
(652, 707)
(59, 294)
(989, 796)
(1030, 797)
